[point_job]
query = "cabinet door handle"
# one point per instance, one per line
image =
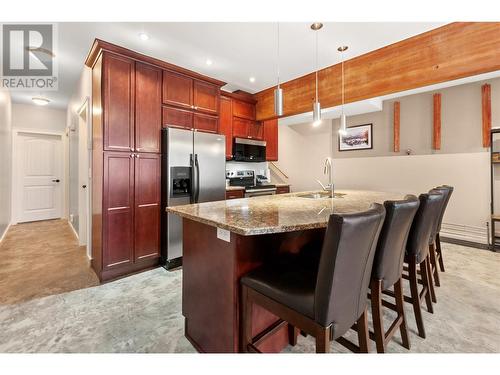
(131, 155)
(137, 156)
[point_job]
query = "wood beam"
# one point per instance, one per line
(396, 125)
(436, 134)
(486, 110)
(449, 52)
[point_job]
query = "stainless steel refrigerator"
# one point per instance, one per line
(193, 171)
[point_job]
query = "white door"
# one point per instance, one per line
(40, 177)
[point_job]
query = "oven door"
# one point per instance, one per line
(249, 150)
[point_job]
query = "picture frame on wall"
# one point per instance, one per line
(358, 137)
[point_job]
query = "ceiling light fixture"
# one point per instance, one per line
(143, 36)
(316, 106)
(251, 79)
(38, 100)
(343, 118)
(209, 62)
(278, 92)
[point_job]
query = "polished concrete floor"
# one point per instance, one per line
(40, 259)
(142, 313)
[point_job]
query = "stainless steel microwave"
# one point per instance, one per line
(249, 150)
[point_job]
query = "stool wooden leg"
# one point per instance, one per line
(398, 292)
(246, 335)
(323, 340)
(292, 334)
(378, 323)
(440, 252)
(415, 298)
(424, 272)
(363, 335)
(434, 268)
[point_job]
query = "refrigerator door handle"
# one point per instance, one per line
(193, 184)
(197, 191)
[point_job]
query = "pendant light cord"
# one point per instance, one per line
(342, 57)
(278, 54)
(316, 66)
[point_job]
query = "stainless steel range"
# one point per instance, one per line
(254, 185)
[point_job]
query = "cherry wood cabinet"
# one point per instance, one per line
(235, 194)
(205, 123)
(205, 97)
(243, 109)
(118, 210)
(271, 138)
(240, 128)
(177, 89)
(255, 130)
(226, 124)
(147, 108)
(283, 189)
(177, 118)
(118, 75)
(147, 205)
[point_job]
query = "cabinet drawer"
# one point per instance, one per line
(206, 123)
(177, 118)
(235, 194)
(243, 110)
(282, 189)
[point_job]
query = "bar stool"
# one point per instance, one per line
(435, 241)
(417, 254)
(388, 269)
(324, 300)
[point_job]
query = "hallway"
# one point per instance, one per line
(40, 259)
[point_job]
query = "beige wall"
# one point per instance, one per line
(5, 160)
(34, 117)
(462, 161)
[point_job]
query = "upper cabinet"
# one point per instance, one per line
(205, 97)
(131, 105)
(118, 91)
(177, 90)
(243, 109)
(226, 124)
(147, 108)
(186, 92)
(271, 138)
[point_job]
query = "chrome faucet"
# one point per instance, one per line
(327, 169)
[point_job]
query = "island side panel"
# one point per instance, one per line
(212, 269)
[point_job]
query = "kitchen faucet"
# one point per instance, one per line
(327, 169)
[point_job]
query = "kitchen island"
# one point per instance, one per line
(224, 240)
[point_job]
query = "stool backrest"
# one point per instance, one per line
(423, 225)
(389, 257)
(345, 267)
(446, 191)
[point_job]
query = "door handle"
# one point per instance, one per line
(193, 185)
(197, 165)
(84, 186)
(56, 180)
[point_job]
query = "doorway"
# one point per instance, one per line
(38, 176)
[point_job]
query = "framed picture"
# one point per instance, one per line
(356, 138)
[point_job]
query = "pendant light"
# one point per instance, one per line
(316, 106)
(278, 92)
(343, 119)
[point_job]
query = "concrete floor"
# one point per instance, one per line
(142, 313)
(41, 259)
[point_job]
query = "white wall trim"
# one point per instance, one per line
(5, 232)
(15, 145)
(465, 232)
(73, 230)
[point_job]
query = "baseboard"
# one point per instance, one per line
(465, 243)
(465, 233)
(73, 229)
(5, 232)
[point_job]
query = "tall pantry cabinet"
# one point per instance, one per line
(126, 119)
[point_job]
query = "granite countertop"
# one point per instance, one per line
(279, 213)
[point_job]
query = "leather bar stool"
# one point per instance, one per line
(388, 269)
(324, 299)
(435, 241)
(417, 254)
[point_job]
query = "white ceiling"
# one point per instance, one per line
(238, 50)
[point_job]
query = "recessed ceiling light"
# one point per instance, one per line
(209, 62)
(252, 79)
(38, 100)
(144, 36)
